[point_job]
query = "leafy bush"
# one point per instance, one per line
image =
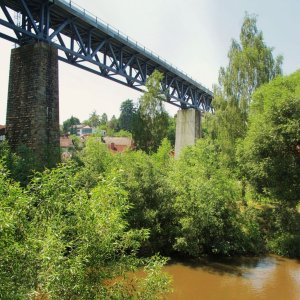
(285, 244)
(209, 206)
(16, 274)
(144, 178)
(95, 159)
(21, 164)
(60, 241)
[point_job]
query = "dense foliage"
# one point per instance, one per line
(61, 242)
(211, 215)
(128, 113)
(152, 121)
(270, 153)
(251, 64)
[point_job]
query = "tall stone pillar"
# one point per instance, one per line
(188, 128)
(32, 118)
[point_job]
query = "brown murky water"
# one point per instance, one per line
(272, 277)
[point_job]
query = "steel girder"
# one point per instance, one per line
(93, 46)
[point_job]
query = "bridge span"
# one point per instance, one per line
(85, 41)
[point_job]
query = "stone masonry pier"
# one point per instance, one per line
(33, 108)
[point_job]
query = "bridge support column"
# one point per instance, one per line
(188, 129)
(32, 108)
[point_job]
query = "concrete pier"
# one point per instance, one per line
(188, 129)
(32, 108)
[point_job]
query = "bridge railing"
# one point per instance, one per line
(127, 38)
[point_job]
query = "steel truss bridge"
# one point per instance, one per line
(85, 41)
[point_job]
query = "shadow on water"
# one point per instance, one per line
(236, 266)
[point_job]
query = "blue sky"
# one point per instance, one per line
(194, 35)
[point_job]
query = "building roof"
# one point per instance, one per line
(66, 142)
(124, 141)
(77, 126)
(80, 126)
(2, 127)
(118, 144)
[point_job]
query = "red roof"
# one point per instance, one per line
(118, 144)
(66, 142)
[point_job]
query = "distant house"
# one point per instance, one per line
(82, 130)
(114, 144)
(2, 132)
(118, 144)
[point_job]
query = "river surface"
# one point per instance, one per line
(271, 277)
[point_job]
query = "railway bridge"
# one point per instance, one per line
(50, 30)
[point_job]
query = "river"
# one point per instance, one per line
(264, 278)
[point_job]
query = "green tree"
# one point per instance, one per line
(172, 130)
(151, 122)
(103, 119)
(113, 124)
(269, 159)
(96, 159)
(251, 64)
(123, 133)
(128, 112)
(94, 120)
(207, 206)
(69, 125)
(144, 177)
(269, 155)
